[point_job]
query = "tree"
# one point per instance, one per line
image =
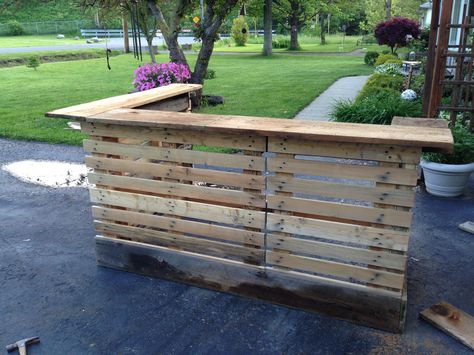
(146, 22)
(394, 32)
(381, 10)
(215, 12)
(293, 15)
(267, 27)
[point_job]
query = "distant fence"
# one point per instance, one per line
(50, 27)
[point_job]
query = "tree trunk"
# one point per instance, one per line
(323, 30)
(388, 9)
(149, 41)
(202, 62)
(267, 26)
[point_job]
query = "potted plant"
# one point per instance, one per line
(447, 175)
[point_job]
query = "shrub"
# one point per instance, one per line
(417, 84)
(210, 74)
(382, 58)
(390, 69)
(33, 62)
(280, 42)
(375, 109)
(463, 147)
(240, 31)
(150, 76)
(15, 28)
(370, 58)
(397, 61)
(394, 32)
(385, 81)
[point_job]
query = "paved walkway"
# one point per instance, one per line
(344, 89)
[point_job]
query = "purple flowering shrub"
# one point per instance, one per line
(151, 76)
(396, 31)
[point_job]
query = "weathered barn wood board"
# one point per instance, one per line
(271, 127)
(357, 303)
(452, 321)
(175, 172)
(247, 142)
(176, 155)
(221, 214)
(338, 170)
(136, 99)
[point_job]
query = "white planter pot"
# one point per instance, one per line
(446, 180)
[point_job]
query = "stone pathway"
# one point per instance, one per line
(343, 89)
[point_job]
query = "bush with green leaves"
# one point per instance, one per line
(280, 42)
(377, 108)
(240, 31)
(389, 69)
(418, 84)
(382, 58)
(33, 62)
(371, 57)
(463, 147)
(15, 28)
(382, 81)
(397, 61)
(210, 74)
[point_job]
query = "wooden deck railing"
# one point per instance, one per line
(306, 214)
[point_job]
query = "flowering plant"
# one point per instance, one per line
(408, 95)
(151, 76)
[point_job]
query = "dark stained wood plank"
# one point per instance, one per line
(452, 321)
(371, 307)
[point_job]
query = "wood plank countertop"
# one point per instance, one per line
(424, 137)
(82, 111)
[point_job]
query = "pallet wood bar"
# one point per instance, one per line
(312, 215)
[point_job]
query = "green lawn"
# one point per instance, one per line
(252, 85)
(307, 44)
(36, 41)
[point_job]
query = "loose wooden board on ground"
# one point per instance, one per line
(452, 321)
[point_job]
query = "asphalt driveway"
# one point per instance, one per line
(52, 288)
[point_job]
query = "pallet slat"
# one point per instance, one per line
(396, 154)
(345, 191)
(337, 170)
(181, 190)
(336, 231)
(340, 211)
(176, 155)
(344, 271)
(340, 252)
(176, 172)
(196, 245)
(169, 206)
(233, 235)
(247, 142)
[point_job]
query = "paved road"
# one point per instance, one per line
(343, 89)
(112, 43)
(51, 286)
(117, 43)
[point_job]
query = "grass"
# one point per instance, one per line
(36, 41)
(279, 86)
(307, 44)
(12, 59)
